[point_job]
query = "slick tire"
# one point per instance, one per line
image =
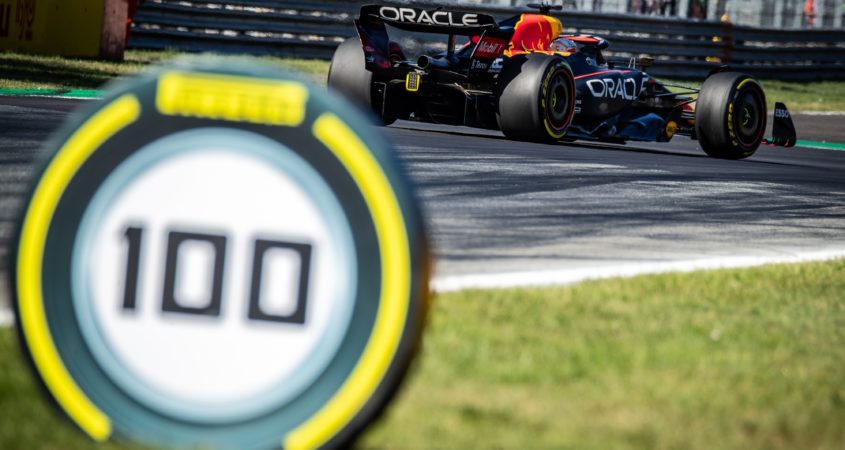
(536, 98)
(730, 115)
(349, 76)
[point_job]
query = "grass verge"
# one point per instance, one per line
(728, 359)
(19, 71)
(27, 421)
(52, 72)
(798, 96)
(812, 96)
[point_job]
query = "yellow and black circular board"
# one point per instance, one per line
(214, 256)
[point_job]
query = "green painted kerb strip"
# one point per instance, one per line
(822, 145)
(83, 93)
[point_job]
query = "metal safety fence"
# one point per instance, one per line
(681, 48)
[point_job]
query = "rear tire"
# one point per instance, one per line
(730, 115)
(349, 76)
(536, 97)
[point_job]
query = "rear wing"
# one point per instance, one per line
(428, 21)
(378, 49)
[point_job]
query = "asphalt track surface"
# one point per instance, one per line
(496, 206)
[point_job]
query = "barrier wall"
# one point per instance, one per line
(682, 48)
(86, 28)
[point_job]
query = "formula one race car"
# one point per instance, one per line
(527, 79)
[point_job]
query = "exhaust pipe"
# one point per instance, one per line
(427, 62)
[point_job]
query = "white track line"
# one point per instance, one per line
(6, 318)
(562, 277)
(821, 113)
(573, 275)
(60, 97)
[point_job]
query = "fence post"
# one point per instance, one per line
(113, 35)
(683, 8)
(621, 6)
(712, 11)
(778, 18)
(727, 40)
(797, 8)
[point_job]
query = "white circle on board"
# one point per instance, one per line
(193, 361)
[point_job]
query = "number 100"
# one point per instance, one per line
(170, 302)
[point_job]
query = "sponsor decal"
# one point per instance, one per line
(496, 67)
(489, 48)
(479, 65)
(231, 98)
(421, 16)
(781, 113)
(613, 88)
(533, 33)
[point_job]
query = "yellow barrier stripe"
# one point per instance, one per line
(395, 286)
(100, 127)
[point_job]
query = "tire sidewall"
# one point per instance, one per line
(733, 111)
(522, 97)
(556, 67)
(717, 111)
(348, 74)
